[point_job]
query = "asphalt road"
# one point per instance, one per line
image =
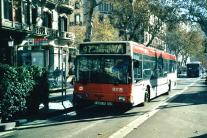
(182, 115)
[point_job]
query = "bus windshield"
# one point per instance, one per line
(103, 69)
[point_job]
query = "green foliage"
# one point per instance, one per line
(79, 34)
(186, 43)
(130, 19)
(15, 84)
(104, 31)
(22, 89)
(40, 92)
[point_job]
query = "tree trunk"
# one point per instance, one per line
(89, 9)
(89, 6)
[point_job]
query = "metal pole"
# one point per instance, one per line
(15, 55)
(62, 77)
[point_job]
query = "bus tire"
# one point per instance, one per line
(141, 104)
(147, 95)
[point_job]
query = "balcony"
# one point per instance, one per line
(5, 23)
(64, 8)
(66, 38)
(44, 31)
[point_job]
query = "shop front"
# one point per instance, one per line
(50, 55)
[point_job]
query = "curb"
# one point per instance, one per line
(26, 123)
(16, 124)
(7, 126)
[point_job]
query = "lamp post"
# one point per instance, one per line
(11, 44)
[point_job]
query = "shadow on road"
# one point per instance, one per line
(189, 98)
(95, 113)
(200, 136)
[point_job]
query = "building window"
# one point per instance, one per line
(105, 7)
(8, 9)
(17, 11)
(77, 19)
(47, 20)
(34, 15)
(26, 12)
(62, 24)
(77, 5)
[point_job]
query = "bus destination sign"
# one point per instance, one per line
(104, 48)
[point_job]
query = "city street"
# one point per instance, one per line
(180, 114)
(75, 68)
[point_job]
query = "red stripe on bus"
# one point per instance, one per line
(104, 92)
(141, 49)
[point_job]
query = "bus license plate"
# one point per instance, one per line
(103, 103)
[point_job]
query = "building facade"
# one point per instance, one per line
(106, 8)
(40, 36)
(33, 21)
(78, 17)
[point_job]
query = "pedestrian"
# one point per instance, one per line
(56, 74)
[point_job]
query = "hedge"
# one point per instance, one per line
(40, 92)
(22, 89)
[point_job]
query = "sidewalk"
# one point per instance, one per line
(58, 105)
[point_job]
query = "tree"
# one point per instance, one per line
(104, 31)
(193, 11)
(130, 18)
(174, 42)
(133, 18)
(79, 34)
(89, 10)
(185, 43)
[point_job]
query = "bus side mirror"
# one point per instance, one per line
(136, 64)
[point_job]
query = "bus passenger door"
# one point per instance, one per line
(153, 82)
(162, 83)
(138, 92)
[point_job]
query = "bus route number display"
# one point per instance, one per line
(102, 48)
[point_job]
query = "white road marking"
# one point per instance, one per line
(5, 133)
(141, 119)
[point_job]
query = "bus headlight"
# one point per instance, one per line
(80, 88)
(122, 98)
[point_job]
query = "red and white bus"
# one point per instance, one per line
(121, 72)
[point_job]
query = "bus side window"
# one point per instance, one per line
(137, 70)
(147, 73)
(155, 74)
(136, 64)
